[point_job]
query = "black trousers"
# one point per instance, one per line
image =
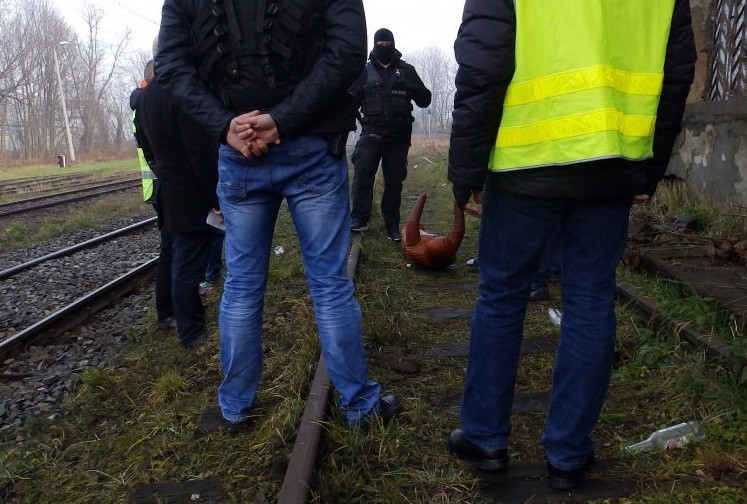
(366, 157)
(188, 261)
(164, 307)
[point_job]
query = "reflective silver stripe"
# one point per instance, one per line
(148, 175)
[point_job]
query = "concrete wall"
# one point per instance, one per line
(711, 152)
(702, 16)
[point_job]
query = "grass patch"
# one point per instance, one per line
(675, 199)
(93, 167)
(23, 231)
(689, 308)
(134, 423)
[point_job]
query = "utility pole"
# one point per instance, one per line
(62, 100)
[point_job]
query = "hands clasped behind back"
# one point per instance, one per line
(252, 133)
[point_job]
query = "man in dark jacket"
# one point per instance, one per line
(565, 114)
(164, 306)
(185, 162)
(253, 74)
(385, 89)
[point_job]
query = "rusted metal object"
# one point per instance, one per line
(427, 250)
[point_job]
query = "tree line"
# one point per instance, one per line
(97, 76)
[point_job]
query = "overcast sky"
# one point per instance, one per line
(416, 24)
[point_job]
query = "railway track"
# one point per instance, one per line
(41, 202)
(298, 480)
(41, 292)
(36, 184)
(21, 186)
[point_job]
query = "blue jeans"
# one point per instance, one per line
(215, 256)
(513, 233)
(315, 185)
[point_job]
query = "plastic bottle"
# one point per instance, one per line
(556, 317)
(675, 436)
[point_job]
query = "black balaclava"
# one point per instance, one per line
(384, 54)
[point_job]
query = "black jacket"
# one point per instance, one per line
(185, 160)
(485, 53)
(421, 95)
(315, 104)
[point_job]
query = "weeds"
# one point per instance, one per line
(135, 424)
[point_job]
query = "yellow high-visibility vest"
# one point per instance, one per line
(588, 78)
(147, 176)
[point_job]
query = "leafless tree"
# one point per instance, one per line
(437, 69)
(96, 66)
(97, 78)
(28, 32)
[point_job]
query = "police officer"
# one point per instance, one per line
(266, 79)
(386, 89)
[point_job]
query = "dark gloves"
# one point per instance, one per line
(462, 194)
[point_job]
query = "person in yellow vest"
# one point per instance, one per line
(164, 307)
(147, 175)
(565, 114)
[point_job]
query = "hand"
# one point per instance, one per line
(240, 133)
(265, 128)
(476, 209)
(640, 198)
(473, 210)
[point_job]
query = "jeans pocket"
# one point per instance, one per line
(232, 167)
(320, 172)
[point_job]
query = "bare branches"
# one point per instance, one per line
(437, 69)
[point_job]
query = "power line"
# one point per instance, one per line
(141, 16)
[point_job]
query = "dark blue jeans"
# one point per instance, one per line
(188, 261)
(513, 233)
(549, 262)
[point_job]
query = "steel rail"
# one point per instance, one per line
(305, 452)
(88, 186)
(78, 305)
(13, 270)
(11, 186)
(92, 194)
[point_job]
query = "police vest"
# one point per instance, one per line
(386, 103)
(147, 176)
(587, 82)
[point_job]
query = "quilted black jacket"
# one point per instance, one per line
(317, 105)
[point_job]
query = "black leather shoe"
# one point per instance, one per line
(235, 427)
(389, 407)
(487, 460)
(567, 480)
(197, 341)
(166, 325)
